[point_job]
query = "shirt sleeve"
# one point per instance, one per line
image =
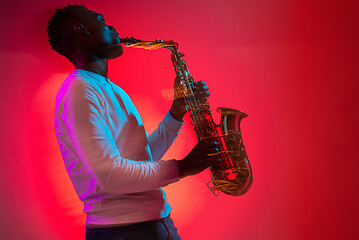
(84, 117)
(162, 138)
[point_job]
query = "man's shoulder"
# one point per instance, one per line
(79, 78)
(78, 81)
(78, 85)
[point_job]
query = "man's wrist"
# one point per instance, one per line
(181, 168)
(177, 111)
(178, 116)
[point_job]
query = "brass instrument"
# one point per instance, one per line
(233, 174)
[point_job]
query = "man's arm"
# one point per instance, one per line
(84, 119)
(162, 138)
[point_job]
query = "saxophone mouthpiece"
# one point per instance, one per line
(129, 41)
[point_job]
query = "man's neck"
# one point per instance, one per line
(100, 67)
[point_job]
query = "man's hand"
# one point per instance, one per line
(202, 156)
(178, 108)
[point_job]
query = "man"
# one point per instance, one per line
(114, 166)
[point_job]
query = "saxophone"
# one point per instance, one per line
(231, 175)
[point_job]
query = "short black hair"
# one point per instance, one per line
(60, 27)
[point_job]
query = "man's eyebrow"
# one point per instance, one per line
(100, 17)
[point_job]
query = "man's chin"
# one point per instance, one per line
(119, 54)
(113, 51)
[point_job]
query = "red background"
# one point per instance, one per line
(292, 66)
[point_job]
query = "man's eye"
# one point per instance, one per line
(101, 18)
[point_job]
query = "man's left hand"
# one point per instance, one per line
(178, 108)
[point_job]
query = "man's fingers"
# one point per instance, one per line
(216, 154)
(209, 142)
(210, 147)
(200, 83)
(201, 91)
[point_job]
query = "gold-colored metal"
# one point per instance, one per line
(233, 174)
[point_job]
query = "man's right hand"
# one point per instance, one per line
(202, 156)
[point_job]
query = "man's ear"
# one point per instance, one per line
(78, 27)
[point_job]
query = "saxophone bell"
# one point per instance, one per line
(236, 179)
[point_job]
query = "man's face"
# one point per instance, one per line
(103, 39)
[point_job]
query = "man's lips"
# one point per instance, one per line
(113, 45)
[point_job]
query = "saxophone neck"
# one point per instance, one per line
(150, 45)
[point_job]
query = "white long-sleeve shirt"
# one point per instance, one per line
(114, 166)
